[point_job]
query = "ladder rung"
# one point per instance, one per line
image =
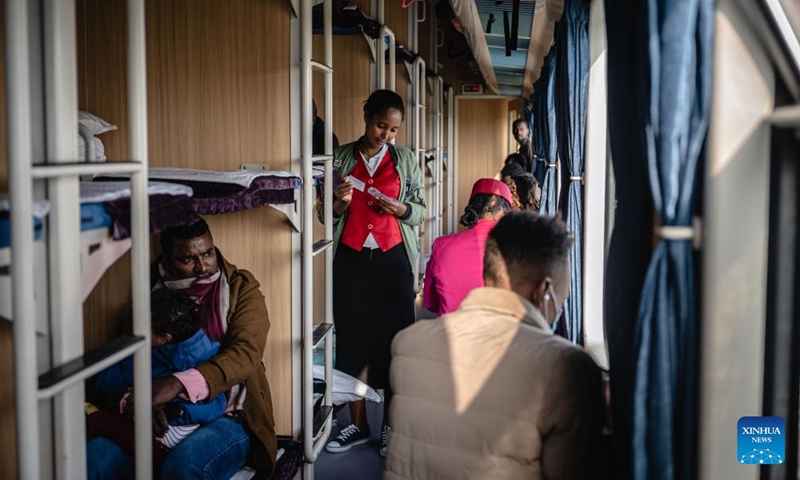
(321, 67)
(60, 378)
(322, 158)
(320, 332)
(321, 246)
(81, 168)
(320, 418)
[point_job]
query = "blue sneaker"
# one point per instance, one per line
(348, 438)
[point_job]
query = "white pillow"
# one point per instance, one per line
(95, 124)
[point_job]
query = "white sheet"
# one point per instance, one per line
(40, 207)
(98, 192)
(346, 388)
(236, 177)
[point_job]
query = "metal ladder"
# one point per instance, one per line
(316, 428)
(451, 165)
(418, 82)
(437, 132)
(63, 384)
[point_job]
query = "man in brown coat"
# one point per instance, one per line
(488, 392)
(237, 317)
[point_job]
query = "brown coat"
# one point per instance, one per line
(240, 360)
(488, 392)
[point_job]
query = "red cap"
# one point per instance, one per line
(492, 187)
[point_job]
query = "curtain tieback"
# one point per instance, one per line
(576, 178)
(673, 233)
(552, 165)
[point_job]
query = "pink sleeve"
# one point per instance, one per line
(430, 297)
(195, 384)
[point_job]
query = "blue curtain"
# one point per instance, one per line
(571, 91)
(631, 244)
(545, 143)
(679, 47)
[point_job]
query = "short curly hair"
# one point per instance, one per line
(530, 246)
(175, 313)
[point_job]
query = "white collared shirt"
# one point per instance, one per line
(372, 164)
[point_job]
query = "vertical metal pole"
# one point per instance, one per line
(66, 312)
(439, 155)
(140, 218)
(451, 158)
(453, 211)
(328, 24)
(306, 150)
(392, 60)
(18, 128)
(380, 60)
(380, 54)
(297, 278)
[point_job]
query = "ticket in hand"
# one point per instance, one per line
(357, 184)
(376, 193)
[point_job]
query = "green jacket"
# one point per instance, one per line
(412, 194)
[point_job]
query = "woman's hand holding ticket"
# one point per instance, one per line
(389, 205)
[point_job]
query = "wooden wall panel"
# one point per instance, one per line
(426, 36)
(396, 18)
(351, 73)
(401, 87)
(482, 143)
(218, 88)
(102, 72)
(218, 96)
(8, 454)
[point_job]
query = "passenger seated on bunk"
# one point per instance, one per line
(488, 391)
(179, 343)
(456, 264)
(375, 211)
(236, 316)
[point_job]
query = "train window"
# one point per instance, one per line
(782, 340)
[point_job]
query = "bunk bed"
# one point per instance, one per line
(351, 20)
(105, 227)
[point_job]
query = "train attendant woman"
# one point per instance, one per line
(376, 207)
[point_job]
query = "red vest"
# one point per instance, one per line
(365, 215)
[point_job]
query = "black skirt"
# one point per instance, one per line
(373, 299)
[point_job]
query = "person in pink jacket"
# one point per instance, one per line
(456, 264)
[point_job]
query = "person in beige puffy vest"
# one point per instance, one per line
(488, 391)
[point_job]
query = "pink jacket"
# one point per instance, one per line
(455, 267)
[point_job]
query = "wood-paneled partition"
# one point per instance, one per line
(482, 142)
(218, 96)
(396, 18)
